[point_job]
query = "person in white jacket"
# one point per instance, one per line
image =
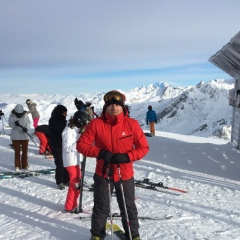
(20, 124)
(72, 158)
(71, 161)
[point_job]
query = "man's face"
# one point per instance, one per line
(64, 114)
(114, 109)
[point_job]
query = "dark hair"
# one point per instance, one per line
(71, 123)
(128, 109)
(28, 101)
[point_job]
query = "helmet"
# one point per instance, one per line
(19, 108)
(81, 118)
(28, 101)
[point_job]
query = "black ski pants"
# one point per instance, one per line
(101, 206)
(61, 174)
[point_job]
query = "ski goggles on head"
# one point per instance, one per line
(113, 96)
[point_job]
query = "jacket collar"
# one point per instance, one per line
(113, 120)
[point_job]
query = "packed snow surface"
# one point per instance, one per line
(33, 207)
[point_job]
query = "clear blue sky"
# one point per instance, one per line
(69, 47)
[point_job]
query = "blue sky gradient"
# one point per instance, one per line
(57, 47)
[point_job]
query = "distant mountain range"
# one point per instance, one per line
(200, 110)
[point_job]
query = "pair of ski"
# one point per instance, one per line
(141, 185)
(25, 173)
(147, 184)
(116, 230)
(117, 215)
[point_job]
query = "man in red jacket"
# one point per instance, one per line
(116, 140)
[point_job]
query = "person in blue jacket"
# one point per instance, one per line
(152, 119)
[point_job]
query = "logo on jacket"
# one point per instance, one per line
(123, 134)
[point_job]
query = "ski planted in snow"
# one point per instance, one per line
(147, 181)
(81, 184)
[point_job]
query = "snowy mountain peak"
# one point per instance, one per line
(200, 110)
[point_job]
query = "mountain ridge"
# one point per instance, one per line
(200, 110)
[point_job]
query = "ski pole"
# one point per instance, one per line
(110, 201)
(6, 120)
(124, 202)
(31, 137)
(44, 150)
(81, 184)
(27, 134)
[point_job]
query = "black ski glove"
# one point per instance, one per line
(24, 129)
(106, 156)
(119, 158)
(17, 123)
(146, 122)
(155, 121)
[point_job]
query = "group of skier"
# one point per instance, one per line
(114, 139)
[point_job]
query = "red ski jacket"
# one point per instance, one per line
(120, 134)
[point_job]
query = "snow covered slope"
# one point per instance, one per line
(33, 208)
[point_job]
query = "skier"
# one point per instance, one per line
(1, 114)
(34, 112)
(79, 104)
(94, 113)
(128, 109)
(72, 159)
(20, 124)
(57, 123)
(42, 132)
(116, 141)
(151, 118)
(84, 107)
